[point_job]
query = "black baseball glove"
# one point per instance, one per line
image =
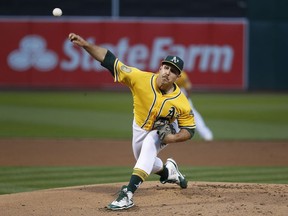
(163, 128)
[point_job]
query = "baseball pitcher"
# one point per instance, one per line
(158, 103)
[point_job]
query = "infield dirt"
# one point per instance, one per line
(153, 198)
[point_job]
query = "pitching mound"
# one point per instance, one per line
(153, 199)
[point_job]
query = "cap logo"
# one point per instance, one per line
(175, 60)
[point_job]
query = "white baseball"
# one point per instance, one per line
(57, 12)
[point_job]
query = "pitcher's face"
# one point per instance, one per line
(168, 74)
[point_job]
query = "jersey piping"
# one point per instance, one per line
(154, 101)
(115, 69)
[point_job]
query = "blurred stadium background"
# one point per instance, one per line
(263, 67)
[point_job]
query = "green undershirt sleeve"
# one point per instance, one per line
(109, 61)
(191, 131)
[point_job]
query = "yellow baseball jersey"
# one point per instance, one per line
(149, 103)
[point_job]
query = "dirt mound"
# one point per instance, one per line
(153, 198)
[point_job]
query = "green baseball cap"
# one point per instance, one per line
(175, 61)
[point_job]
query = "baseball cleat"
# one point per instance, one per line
(123, 201)
(174, 175)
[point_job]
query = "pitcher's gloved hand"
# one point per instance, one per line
(163, 128)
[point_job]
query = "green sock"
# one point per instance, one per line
(163, 174)
(135, 182)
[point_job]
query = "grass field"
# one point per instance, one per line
(93, 115)
(100, 115)
(19, 179)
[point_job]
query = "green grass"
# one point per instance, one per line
(235, 116)
(65, 114)
(245, 116)
(20, 179)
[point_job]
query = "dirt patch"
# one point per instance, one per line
(39, 152)
(200, 198)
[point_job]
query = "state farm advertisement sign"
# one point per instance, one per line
(37, 53)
